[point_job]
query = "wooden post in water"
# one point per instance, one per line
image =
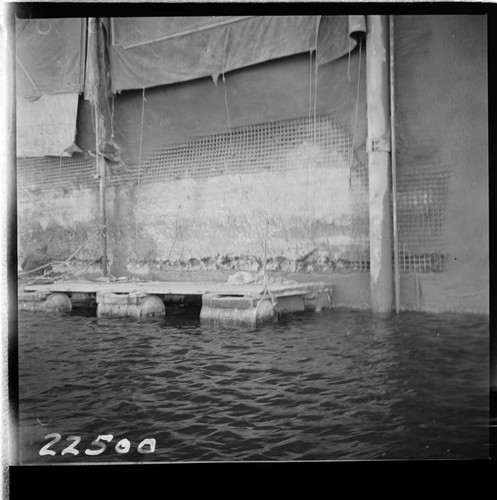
(379, 147)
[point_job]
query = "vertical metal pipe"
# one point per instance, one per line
(378, 147)
(394, 170)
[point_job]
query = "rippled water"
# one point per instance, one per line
(338, 385)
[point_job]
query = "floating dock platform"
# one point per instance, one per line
(221, 302)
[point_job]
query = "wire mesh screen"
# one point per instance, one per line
(256, 148)
(422, 196)
(317, 142)
(49, 172)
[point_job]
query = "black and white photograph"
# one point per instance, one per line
(251, 237)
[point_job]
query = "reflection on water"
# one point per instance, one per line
(338, 385)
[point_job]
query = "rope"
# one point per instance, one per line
(28, 76)
(315, 95)
(144, 100)
(264, 265)
(23, 273)
(356, 112)
(265, 293)
(316, 74)
(94, 125)
(226, 104)
(348, 64)
(265, 282)
(309, 124)
(314, 132)
(141, 135)
(111, 114)
(97, 139)
(82, 245)
(318, 19)
(417, 290)
(310, 84)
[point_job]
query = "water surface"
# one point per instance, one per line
(339, 385)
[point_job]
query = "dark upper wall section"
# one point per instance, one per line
(275, 90)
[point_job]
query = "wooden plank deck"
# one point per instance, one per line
(177, 288)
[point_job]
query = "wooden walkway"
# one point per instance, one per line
(239, 303)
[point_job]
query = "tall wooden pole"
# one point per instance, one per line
(101, 180)
(378, 147)
(102, 93)
(96, 92)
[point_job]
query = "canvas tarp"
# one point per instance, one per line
(148, 52)
(50, 55)
(46, 126)
(266, 86)
(274, 90)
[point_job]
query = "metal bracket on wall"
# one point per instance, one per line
(379, 144)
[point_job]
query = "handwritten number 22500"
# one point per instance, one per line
(123, 446)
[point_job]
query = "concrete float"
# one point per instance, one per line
(43, 301)
(237, 310)
(135, 305)
(253, 310)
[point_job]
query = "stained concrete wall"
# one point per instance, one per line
(63, 220)
(228, 216)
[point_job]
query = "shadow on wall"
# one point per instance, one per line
(56, 243)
